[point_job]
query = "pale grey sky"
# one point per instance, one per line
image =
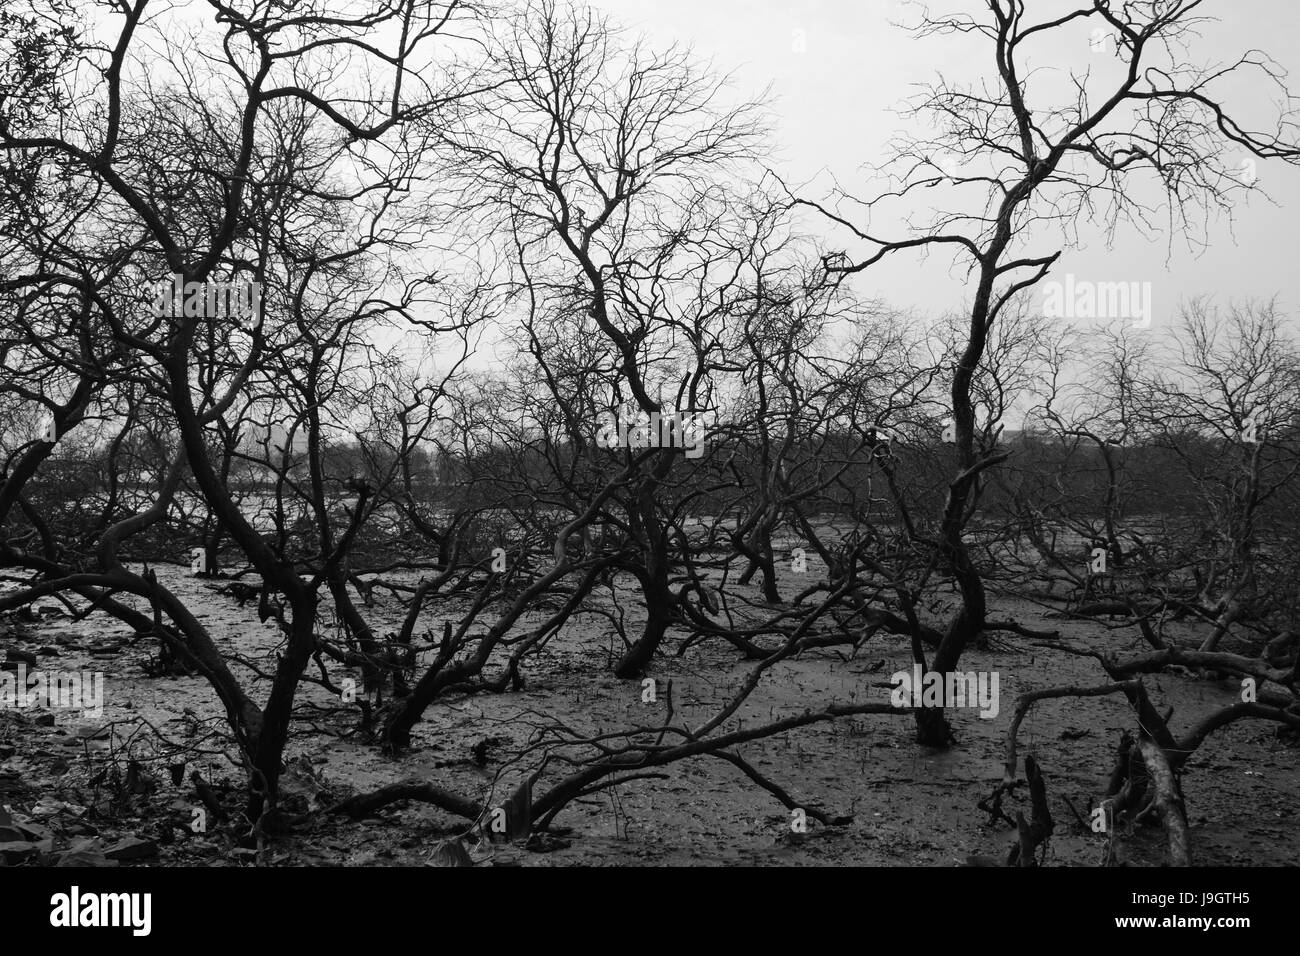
(834, 105)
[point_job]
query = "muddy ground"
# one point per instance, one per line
(69, 783)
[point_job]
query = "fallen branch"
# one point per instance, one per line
(365, 804)
(1014, 628)
(1217, 660)
(775, 790)
(1169, 800)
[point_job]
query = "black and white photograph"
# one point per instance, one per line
(649, 434)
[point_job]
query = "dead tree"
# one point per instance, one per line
(1153, 115)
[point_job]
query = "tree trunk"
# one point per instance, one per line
(637, 657)
(274, 734)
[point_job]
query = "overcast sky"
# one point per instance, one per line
(835, 102)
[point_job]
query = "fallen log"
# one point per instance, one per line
(1168, 799)
(364, 804)
(1216, 660)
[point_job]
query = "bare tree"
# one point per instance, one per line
(1155, 117)
(195, 217)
